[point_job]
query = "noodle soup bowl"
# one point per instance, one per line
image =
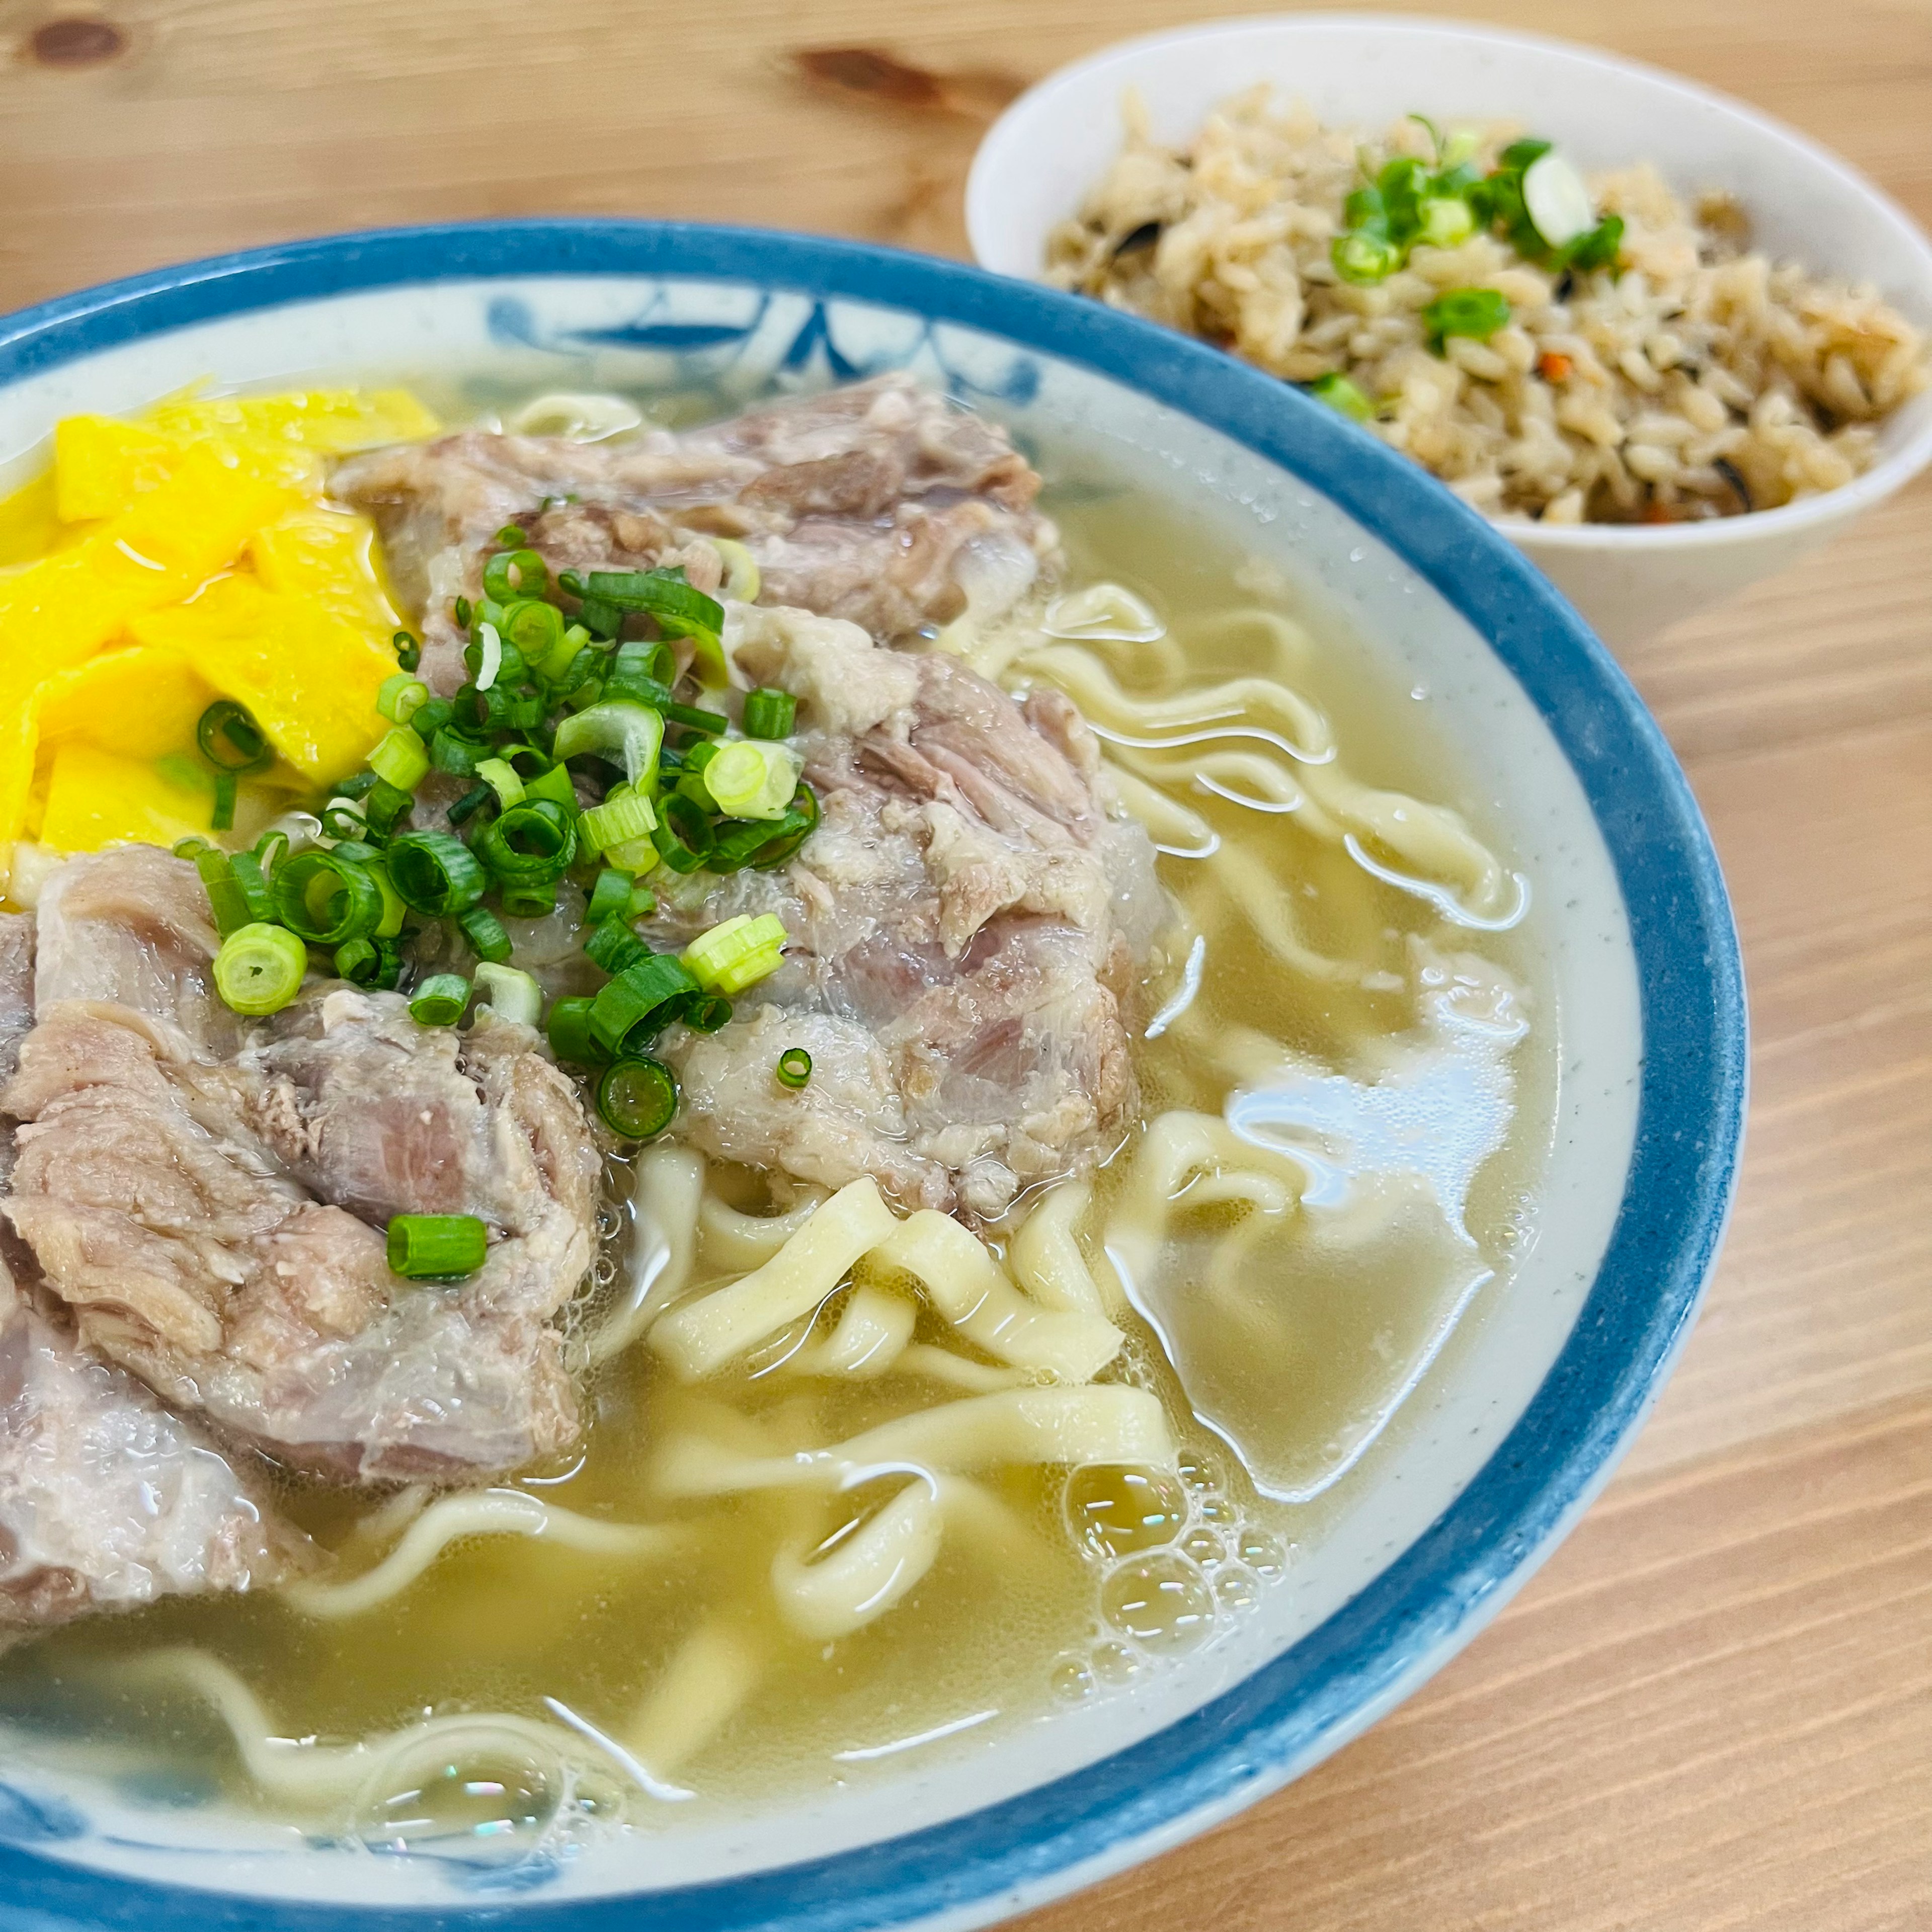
(1505, 1434)
(1805, 204)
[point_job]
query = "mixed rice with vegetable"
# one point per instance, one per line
(1552, 349)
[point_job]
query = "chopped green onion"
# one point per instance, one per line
(223, 817)
(368, 962)
(512, 535)
(572, 643)
(1363, 258)
(624, 815)
(467, 805)
(617, 730)
(440, 999)
(437, 1247)
(530, 844)
(271, 849)
(643, 900)
(450, 750)
(231, 740)
(706, 1013)
(633, 856)
(393, 910)
(359, 786)
(1476, 313)
(461, 610)
(1447, 221)
(399, 759)
(485, 932)
(260, 969)
(502, 779)
(535, 628)
(769, 713)
(794, 1067)
(571, 1038)
(401, 697)
(715, 723)
(226, 902)
(253, 884)
(753, 778)
(1599, 248)
(1341, 396)
(511, 992)
(191, 848)
(642, 1001)
(741, 581)
(342, 819)
(428, 719)
(637, 1098)
(514, 573)
(680, 611)
(554, 785)
(714, 958)
(609, 898)
(682, 835)
(386, 806)
(326, 899)
(614, 947)
(765, 847)
(435, 874)
(409, 652)
(535, 901)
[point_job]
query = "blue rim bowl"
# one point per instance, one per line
(1315, 1696)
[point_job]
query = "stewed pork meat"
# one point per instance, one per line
(880, 503)
(968, 924)
(208, 1200)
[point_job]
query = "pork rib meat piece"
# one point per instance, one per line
(967, 924)
(879, 502)
(208, 1201)
(106, 1501)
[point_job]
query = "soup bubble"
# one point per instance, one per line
(1072, 1679)
(1118, 1664)
(476, 1791)
(1115, 1510)
(1236, 1589)
(1202, 1545)
(1161, 1600)
(1198, 1471)
(1261, 1553)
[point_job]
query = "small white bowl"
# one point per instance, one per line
(1040, 158)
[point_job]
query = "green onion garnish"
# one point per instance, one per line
(223, 818)
(437, 1247)
(191, 848)
(511, 992)
(570, 1038)
(428, 718)
(706, 1013)
(1341, 396)
(719, 960)
(1364, 259)
(609, 898)
(393, 910)
(1476, 313)
(409, 652)
(450, 750)
(440, 999)
(501, 776)
(637, 1098)
(466, 806)
(531, 902)
(400, 760)
(535, 628)
(794, 1067)
(326, 899)
(253, 884)
(434, 873)
(626, 733)
(511, 535)
(386, 806)
(753, 778)
(485, 932)
(260, 969)
(231, 740)
(530, 844)
(624, 815)
(764, 848)
(682, 835)
(360, 962)
(769, 713)
(614, 947)
(642, 1001)
(401, 697)
(511, 574)
(226, 900)
(552, 783)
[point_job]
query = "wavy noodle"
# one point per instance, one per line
(1245, 889)
(301, 1772)
(1046, 1254)
(709, 1678)
(824, 1592)
(668, 1196)
(484, 1513)
(734, 1240)
(869, 1337)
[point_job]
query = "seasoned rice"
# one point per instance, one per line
(1702, 380)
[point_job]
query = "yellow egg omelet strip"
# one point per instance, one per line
(310, 680)
(139, 703)
(95, 796)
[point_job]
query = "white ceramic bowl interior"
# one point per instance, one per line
(1043, 155)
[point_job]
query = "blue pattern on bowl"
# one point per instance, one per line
(794, 299)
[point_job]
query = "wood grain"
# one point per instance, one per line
(1713, 1710)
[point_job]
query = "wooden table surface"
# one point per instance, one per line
(1713, 1709)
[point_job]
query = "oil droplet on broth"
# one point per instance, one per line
(494, 1800)
(1116, 1511)
(1161, 1600)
